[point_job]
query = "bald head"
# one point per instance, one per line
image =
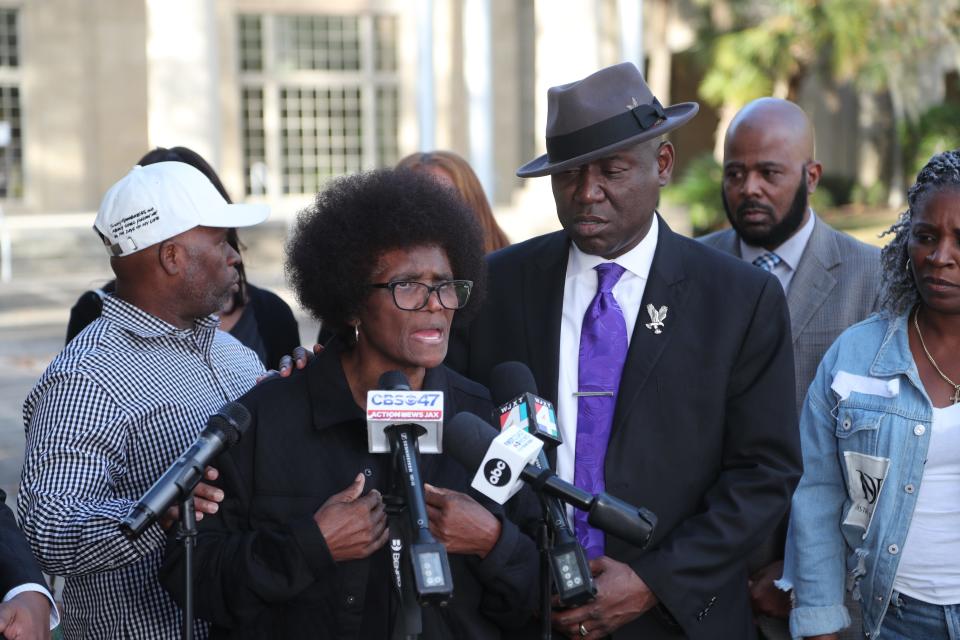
(769, 170)
(782, 117)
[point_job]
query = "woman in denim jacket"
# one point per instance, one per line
(878, 508)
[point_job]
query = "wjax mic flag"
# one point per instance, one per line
(533, 414)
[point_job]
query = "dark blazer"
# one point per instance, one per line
(836, 285)
(705, 431)
(263, 569)
(17, 564)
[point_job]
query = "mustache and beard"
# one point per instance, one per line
(779, 231)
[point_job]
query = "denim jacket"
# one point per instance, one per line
(865, 428)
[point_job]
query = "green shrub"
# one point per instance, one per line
(699, 191)
(822, 199)
(839, 190)
(873, 196)
(937, 130)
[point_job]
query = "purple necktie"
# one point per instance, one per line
(603, 349)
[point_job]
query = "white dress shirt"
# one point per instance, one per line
(579, 289)
(39, 588)
(790, 252)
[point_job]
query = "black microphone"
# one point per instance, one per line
(223, 430)
(514, 391)
(431, 569)
(468, 439)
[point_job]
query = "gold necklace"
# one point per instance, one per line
(956, 387)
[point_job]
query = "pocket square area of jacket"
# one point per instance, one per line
(845, 383)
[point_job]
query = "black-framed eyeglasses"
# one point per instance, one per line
(411, 295)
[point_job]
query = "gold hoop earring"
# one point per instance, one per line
(356, 333)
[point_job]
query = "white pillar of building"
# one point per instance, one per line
(630, 13)
(477, 64)
(183, 101)
(567, 50)
(426, 92)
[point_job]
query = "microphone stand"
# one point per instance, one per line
(187, 534)
(408, 624)
(429, 565)
(543, 544)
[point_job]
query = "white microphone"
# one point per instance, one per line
(498, 476)
(468, 435)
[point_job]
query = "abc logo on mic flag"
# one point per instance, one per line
(498, 477)
(497, 472)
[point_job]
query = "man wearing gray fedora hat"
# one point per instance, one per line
(670, 364)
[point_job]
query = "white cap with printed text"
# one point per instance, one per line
(159, 201)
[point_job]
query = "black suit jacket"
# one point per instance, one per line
(705, 427)
(17, 564)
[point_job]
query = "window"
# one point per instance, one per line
(11, 134)
(328, 86)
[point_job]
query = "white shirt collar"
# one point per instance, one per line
(637, 261)
(790, 251)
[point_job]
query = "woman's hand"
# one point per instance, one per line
(353, 526)
(206, 499)
(461, 523)
(298, 359)
(766, 598)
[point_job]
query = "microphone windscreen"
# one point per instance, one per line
(393, 381)
(466, 439)
(509, 380)
(232, 420)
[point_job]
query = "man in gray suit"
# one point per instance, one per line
(831, 280)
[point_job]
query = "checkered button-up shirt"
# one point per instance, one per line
(109, 415)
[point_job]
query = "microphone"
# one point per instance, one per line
(498, 475)
(514, 390)
(223, 430)
(469, 440)
(401, 417)
(394, 403)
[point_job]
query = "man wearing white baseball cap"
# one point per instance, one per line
(159, 201)
(129, 394)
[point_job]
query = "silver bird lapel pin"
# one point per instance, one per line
(657, 316)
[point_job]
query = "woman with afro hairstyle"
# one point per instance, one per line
(385, 259)
(878, 507)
